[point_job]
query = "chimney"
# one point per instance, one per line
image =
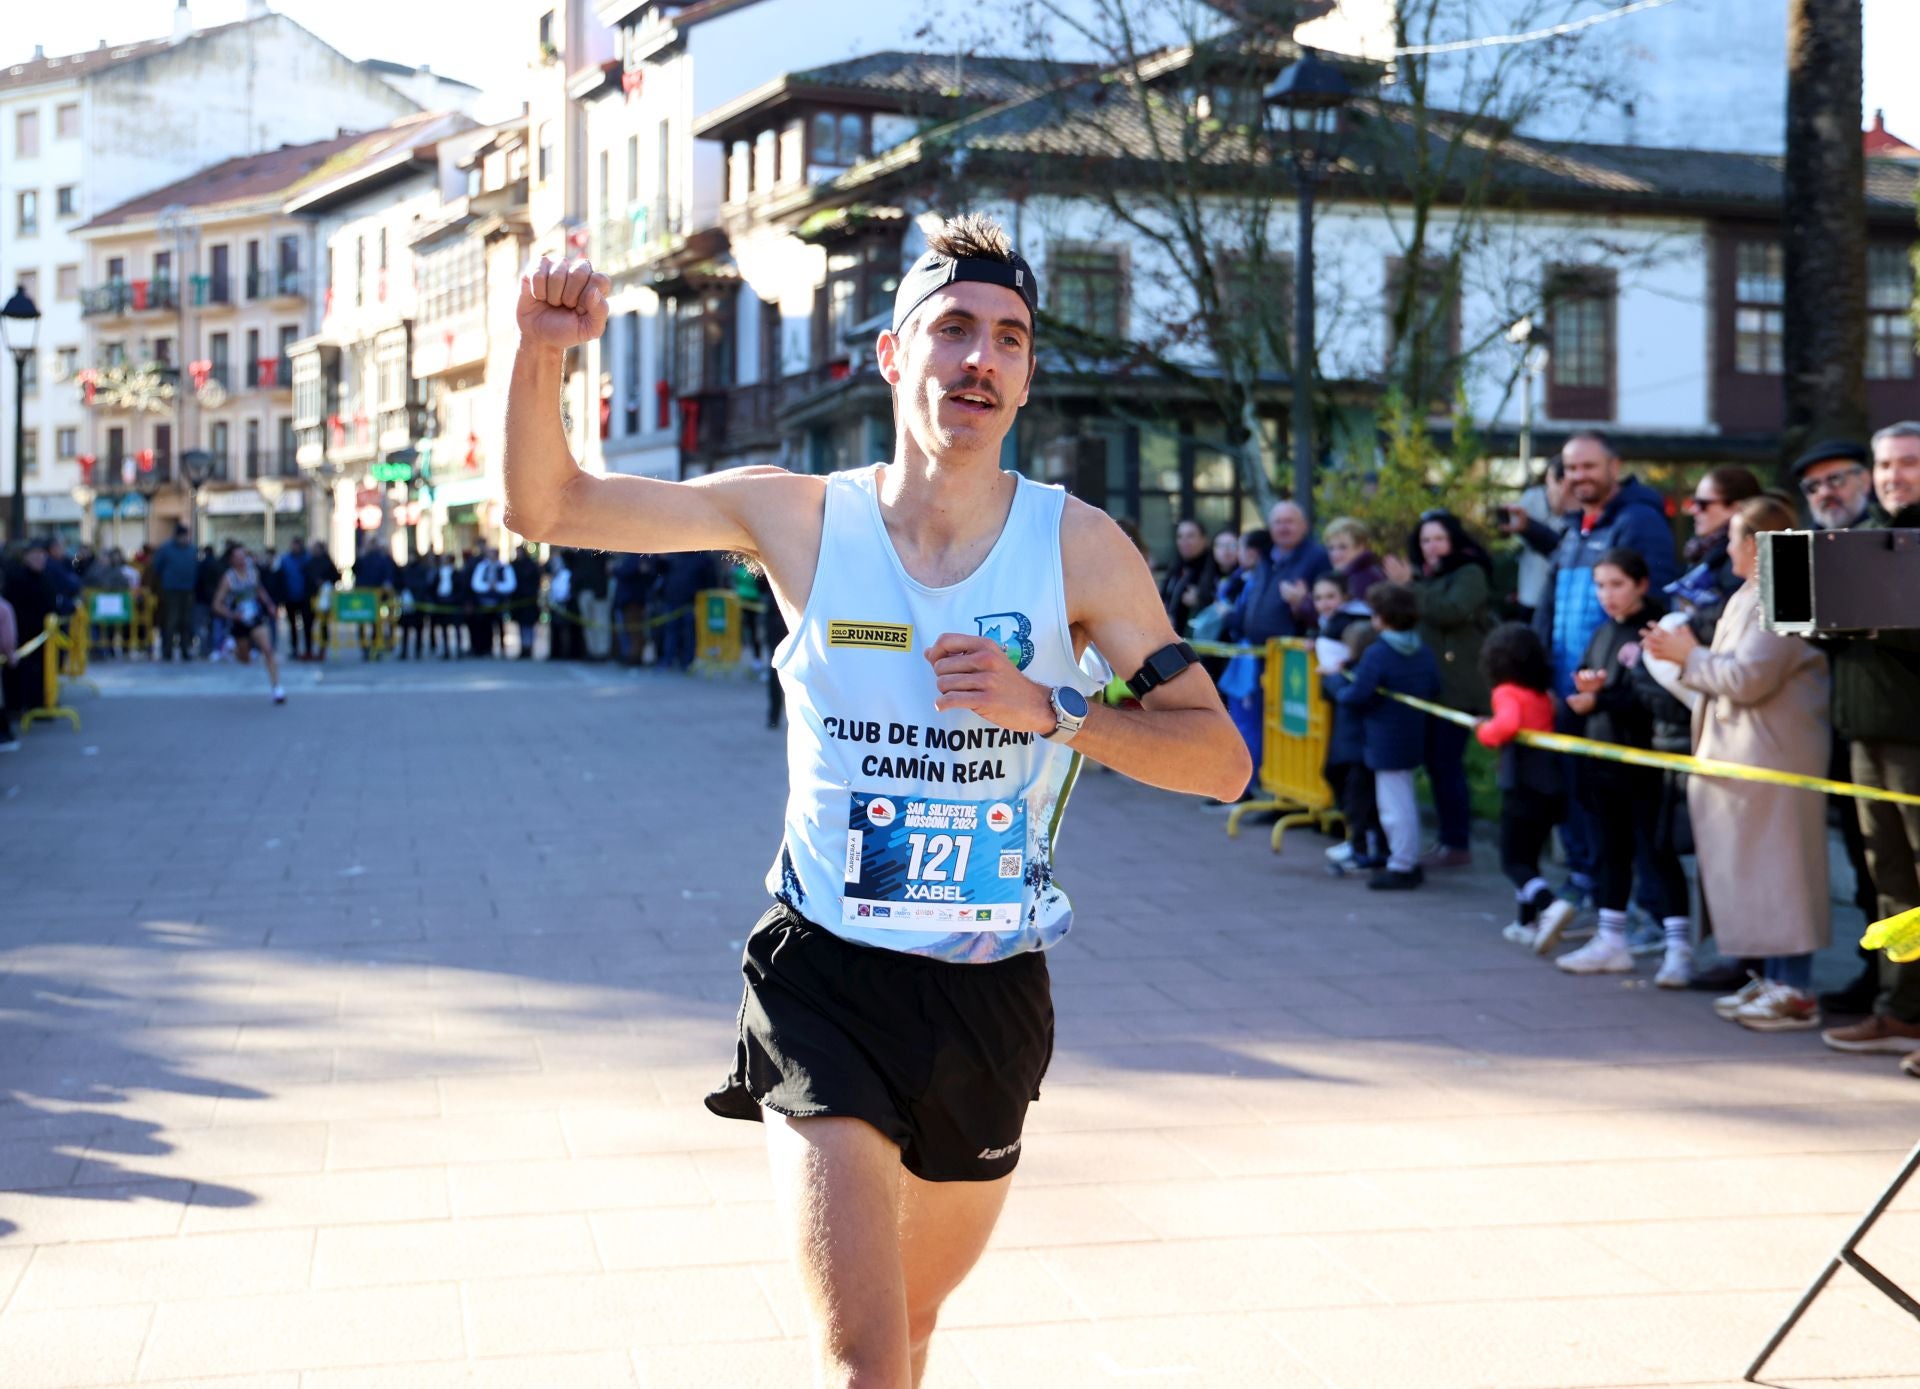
(1879, 116)
(257, 9)
(182, 22)
(39, 52)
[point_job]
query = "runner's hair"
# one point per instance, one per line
(972, 236)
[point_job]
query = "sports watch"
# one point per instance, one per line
(1069, 712)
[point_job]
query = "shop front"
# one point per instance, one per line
(242, 514)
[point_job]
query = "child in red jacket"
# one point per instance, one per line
(1533, 796)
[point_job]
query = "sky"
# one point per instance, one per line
(442, 32)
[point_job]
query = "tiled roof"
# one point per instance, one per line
(979, 79)
(1099, 119)
(250, 178)
(62, 67)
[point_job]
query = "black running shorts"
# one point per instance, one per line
(941, 1058)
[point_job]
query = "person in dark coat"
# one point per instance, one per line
(374, 569)
(1193, 578)
(31, 593)
(632, 576)
(321, 573)
(526, 599)
(684, 578)
(206, 578)
(1395, 733)
(174, 570)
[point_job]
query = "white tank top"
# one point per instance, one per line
(908, 828)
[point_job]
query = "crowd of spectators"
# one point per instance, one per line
(1607, 627)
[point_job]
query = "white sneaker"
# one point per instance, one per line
(1676, 969)
(1340, 859)
(1604, 954)
(1729, 1004)
(1779, 1008)
(1518, 932)
(279, 695)
(1553, 924)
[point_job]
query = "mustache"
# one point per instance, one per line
(974, 384)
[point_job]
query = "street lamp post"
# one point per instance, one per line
(1308, 95)
(196, 465)
(20, 324)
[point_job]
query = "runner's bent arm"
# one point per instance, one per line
(1180, 740)
(549, 498)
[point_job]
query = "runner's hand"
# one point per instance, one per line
(562, 305)
(974, 673)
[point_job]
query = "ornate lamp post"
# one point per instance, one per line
(20, 325)
(196, 466)
(1308, 96)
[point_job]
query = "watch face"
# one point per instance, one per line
(1072, 702)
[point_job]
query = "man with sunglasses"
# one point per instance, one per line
(1836, 478)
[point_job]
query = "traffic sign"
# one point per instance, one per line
(391, 472)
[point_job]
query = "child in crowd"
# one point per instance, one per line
(1343, 631)
(1631, 806)
(1394, 734)
(1533, 796)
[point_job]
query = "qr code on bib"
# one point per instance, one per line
(1010, 864)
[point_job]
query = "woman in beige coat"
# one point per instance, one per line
(1762, 849)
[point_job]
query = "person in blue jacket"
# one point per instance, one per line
(1395, 734)
(1614, 513)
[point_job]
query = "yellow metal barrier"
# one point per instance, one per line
(1296, 723)
(365, 612)
(717, 640)
(58, 645)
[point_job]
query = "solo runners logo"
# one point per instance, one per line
(880, 811)
(1014, 634)
(873, 636)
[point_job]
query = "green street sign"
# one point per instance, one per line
(716, 614)
(391, 472)
(112, 609)
(356, 605)
(1293, 693)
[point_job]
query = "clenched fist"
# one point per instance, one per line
(562, 305)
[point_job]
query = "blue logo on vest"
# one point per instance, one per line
(1012, 632)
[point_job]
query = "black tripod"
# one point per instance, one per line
(1849, 1255)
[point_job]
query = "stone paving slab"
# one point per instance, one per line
(358, 1044)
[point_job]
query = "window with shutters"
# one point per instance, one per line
(1581, 309)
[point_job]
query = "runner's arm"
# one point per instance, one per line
(219, 603)
(549, 497)
(1180, 740)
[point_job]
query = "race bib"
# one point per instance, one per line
(920, 864)
(250, 611)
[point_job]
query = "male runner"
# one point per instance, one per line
(897, 1019)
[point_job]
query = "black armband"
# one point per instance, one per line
(1161, 667)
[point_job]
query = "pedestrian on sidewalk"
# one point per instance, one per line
(1875, 677)
(526, 599)
(9, 644)
(1395, 734)
(323, 576)
(1452, 575)
(206, 578)
(297, 599)
(1341, 636)
(31, 594)
(1762, 849)
(416, 592)
(493, 585)
(896, 1019)
(1533, 784)
(175, 570)
(1631, 808)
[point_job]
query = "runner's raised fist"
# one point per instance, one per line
(562, 304)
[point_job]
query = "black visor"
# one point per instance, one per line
(934, 272)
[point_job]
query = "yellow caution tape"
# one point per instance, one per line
(1668, 761)
(1898, 935)
(1635, 757)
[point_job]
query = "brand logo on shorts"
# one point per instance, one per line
(995, 1154)
(872, 636)
(1012, 632)
(881, 811)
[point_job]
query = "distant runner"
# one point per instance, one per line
(897, 1018)
(242, 603)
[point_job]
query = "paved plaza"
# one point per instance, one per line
(359, 1044)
